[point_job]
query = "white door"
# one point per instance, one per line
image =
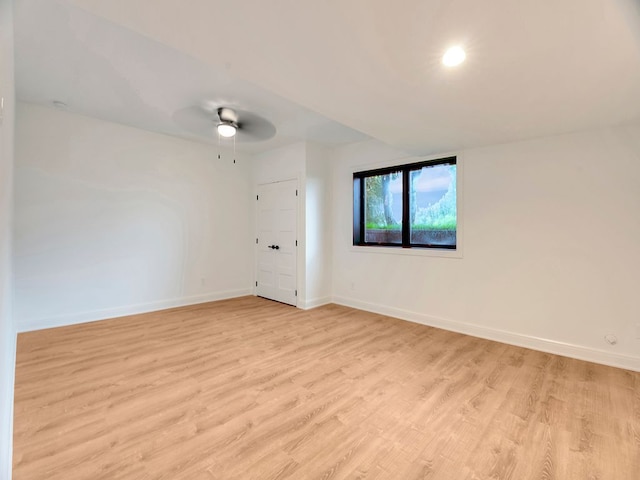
(276, 241)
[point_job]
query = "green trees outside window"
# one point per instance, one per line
(383, 208)
(412, 205)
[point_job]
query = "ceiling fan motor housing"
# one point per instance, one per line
(228, 115)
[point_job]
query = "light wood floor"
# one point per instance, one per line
(252, 389)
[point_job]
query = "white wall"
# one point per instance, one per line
(318, 231)
(7, 328)
(551, 247)
(112, 220)
(284, 163)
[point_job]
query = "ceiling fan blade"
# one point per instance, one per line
(254, 128)
(197, 121)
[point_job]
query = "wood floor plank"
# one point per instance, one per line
(252, 389)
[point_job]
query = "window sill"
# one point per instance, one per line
(415, 251)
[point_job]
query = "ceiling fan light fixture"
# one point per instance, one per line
(227, 129)
(454, 56)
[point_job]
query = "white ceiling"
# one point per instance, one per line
(106, 71)
(327, 70)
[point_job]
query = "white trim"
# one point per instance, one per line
(417, 252)
(96, 315)
(542, 344)
(6, 422)
(313, 303)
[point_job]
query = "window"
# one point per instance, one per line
(412, 205)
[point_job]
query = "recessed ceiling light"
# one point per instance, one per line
(454, 56)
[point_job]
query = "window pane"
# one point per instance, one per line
(383, 208)
(432, 205)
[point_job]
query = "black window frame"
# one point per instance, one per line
(359, 204)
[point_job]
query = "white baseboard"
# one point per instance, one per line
(123, 311)
(7, 378)
(313, 303)
(541, 344)
(549, 346)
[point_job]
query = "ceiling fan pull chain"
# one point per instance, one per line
(218, 145)
(234, 149)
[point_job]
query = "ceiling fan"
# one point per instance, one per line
(209, 121)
